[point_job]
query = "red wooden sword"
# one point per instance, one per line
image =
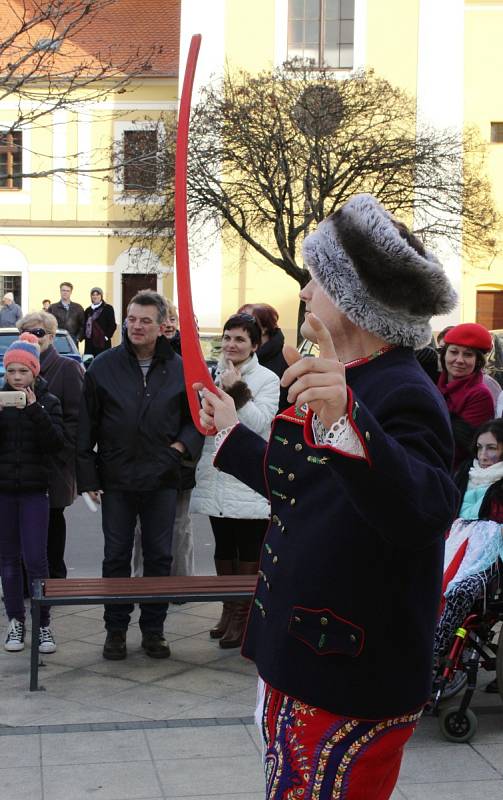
(194, 365)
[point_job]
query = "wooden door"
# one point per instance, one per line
(133, 283)
(490, 309)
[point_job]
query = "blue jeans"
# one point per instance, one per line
(156, 510)
(24, 519)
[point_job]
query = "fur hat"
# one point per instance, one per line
(376, 278)
(24, 350)
(470, 334)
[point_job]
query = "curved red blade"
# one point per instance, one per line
(194, 365)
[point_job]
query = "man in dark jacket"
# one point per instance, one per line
(135, 409)
(357, 470)
(64, 380)
(70, 315)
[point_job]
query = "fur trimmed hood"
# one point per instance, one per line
(376, 278)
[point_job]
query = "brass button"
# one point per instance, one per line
(275, 560)
(352, 638)
(298, 447)
(262, 612)
(367, 436)
(324, 620)
(296, 619)
(291, 476)
(293, 501)
(283, 529)
(276, 519)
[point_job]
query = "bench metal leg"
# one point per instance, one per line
(35, 627)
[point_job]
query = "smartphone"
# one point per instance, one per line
(16, 399)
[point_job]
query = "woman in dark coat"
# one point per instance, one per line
(64, 380)
(270, 352)
(461, 382)
(99, 324)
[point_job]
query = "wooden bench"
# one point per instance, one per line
(95, 591)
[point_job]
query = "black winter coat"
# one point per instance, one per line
(28, 436)
(133, 424)
(103, 328)
(270, 355)
(351, 566)
(65, 379)
(71, 320)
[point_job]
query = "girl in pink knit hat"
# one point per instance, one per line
(30, 432)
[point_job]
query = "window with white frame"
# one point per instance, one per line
(11, 161)
(140, 148)
(321, 32)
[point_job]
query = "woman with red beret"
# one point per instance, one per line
(461, 382)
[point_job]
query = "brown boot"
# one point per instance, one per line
(233, 636)
(223, 568)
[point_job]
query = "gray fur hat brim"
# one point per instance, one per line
(376, 278)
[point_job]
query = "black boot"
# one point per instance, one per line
(114, 648)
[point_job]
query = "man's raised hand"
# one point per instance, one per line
(319, 382)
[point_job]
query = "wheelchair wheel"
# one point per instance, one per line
(499, 663)
(455, 728)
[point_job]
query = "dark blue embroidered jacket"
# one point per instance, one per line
(349, 584)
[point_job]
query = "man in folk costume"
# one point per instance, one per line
(357, 472)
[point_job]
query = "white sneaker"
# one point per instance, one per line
(14, 641)
(46, 643)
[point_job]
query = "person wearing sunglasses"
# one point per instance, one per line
(64, 380)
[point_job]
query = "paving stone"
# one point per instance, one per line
(192, 742)
(465, 790)
(210, 776)
(20, 783)
(94, 747)
(208, 682)
(153, 702)
(456, 763)
(132, 780)
(23, 751)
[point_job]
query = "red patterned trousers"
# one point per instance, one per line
(311, 754)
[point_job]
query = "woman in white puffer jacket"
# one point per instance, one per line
(239, 516)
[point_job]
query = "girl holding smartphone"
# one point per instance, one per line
(28, 436)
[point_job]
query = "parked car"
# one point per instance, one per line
(211, 345)
(63, 343)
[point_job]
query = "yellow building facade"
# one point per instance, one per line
(72, 227)
(447, 54)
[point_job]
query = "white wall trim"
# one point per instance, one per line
(59, 156)
(84, 130)
(11, 230)
(440, 100)
(70, 268)
(360, 35)
(208, 19)
(104, 105)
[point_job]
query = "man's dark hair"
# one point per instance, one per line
(66, 283)
(147, 297)
(248, 324)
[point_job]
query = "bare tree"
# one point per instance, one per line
(52, 57)
(273, 154)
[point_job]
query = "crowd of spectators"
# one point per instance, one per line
(122, 433)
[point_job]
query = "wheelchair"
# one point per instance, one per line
(476, 645)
